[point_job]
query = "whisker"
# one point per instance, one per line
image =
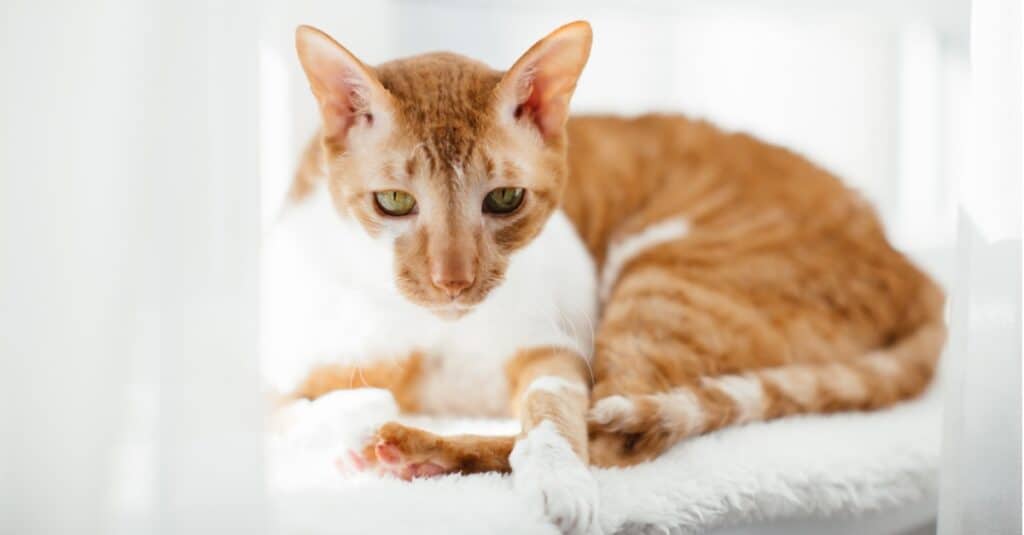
(363, 377)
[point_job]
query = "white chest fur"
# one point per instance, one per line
(328, 296)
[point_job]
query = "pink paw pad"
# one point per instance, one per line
(388, 453)
(351, 463)
(395, 463)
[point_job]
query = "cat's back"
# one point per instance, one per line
(742, 218)
(627, 172)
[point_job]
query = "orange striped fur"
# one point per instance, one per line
(781, 295)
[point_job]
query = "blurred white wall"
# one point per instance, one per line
(129, 230)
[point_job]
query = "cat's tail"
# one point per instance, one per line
(630, 429)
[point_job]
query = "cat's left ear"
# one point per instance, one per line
(539, 85)
(348, 91)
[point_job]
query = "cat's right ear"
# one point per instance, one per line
(538, 87)
(347, 90)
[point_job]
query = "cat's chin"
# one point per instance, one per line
(450, 311)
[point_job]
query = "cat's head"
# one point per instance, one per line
(458, 165)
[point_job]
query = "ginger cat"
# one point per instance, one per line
(617, 284)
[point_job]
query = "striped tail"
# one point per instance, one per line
(629, 429)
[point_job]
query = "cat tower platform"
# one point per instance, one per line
(850, 473)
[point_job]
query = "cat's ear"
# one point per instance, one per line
(539, 85)
(347, 90)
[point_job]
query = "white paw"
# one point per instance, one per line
(544, 465)
(342, 418)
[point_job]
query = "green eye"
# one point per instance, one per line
(394, 202)
(503, 200)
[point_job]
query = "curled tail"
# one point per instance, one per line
(629, 429)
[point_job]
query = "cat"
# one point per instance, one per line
(617, 284)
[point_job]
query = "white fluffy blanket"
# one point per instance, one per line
(806, 467)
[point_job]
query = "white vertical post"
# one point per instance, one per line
(980, 489)
(202, 148)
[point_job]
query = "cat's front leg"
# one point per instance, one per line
(400, 376)
(550, 392)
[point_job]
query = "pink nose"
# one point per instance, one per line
(453, 286)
